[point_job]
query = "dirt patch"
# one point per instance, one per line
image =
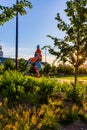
(77, 125)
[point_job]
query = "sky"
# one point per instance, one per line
(33, 28)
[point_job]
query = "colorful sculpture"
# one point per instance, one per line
(36, 60)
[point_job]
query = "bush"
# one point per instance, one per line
(9, 64)
(66, 69)
(46, 88)
(11, 85)
(82, 70)
(27, 119)
(1, 69)
(76, 93)
(69, 115)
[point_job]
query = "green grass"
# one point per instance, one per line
(71, 78)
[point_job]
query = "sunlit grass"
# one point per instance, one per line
(71, 78)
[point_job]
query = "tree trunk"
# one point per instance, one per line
(76, 75)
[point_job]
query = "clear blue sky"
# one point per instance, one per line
(33, 27)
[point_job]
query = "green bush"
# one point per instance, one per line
(66, 69)
(1, 69)
(82, 70)
(9, 64)
(11, 85)
(46, 88)
(76, 93)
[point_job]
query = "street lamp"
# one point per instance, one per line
(45, 55)
(16, 56)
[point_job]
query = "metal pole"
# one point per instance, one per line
(45, 55)
(16, 56)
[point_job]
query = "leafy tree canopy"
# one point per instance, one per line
(73, 47)
(7, 13)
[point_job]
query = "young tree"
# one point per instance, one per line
(73, 47)
(7, 13)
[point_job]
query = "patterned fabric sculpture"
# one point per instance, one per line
(36, 60)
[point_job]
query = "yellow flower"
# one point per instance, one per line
(34, 119)
(74, 108)
(8, 127)
(17, 115)
(39, 125)
(0, 104)
(41, 112)
(16, 124)
(26, 126)
(26, 114)
(1, 116)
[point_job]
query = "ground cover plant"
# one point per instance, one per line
(40, 104)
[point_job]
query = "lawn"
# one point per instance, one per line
(71, 78)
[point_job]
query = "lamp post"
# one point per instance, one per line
(16, 56)
(45, 55)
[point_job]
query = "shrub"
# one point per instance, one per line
(82, 70)
(1, 69)
(76, 93)
(28, 119)
(9, 64)
(69, 115)
(46, 88)
(11, 85)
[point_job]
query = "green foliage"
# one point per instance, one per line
(82, 70)
(46, 88)
(61, 69)
(47, 68)
(1, 69)
(83, 117)
(17, 87)
(7, 13)
(9, 64)
(73, 47)
(65, 69)
(22, 67)
(46, 102)
(31, 70)
(68, 115)
(76, 93)
(32, 119)
(11, 86)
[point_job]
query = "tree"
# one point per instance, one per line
(7, 13)
(47, 68)
(22, 65)
(9, 64)
(73, 47)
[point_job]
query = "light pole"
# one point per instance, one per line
(45, 55)
(16, 56)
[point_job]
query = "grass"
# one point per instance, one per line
(71, 78)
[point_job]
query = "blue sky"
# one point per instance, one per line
(33, 27)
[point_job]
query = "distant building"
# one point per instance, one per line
(1, 52)
(2, 59)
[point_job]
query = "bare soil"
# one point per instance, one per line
(77, 125)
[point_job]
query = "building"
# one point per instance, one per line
(1, 52)
(2, 59)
